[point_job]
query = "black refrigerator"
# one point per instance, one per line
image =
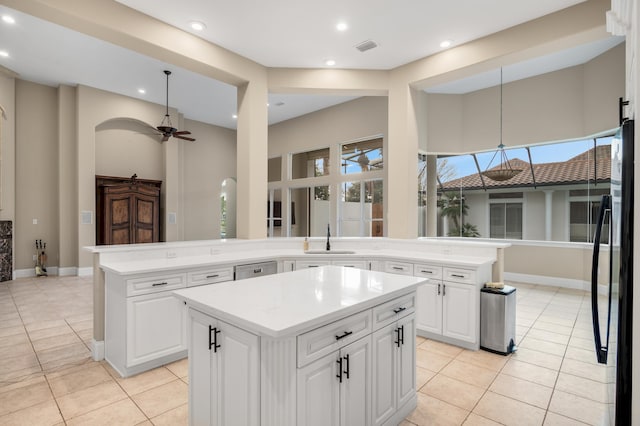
(612, 277)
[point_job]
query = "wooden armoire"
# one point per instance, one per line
(127, 210)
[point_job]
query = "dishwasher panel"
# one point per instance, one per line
(255, 270)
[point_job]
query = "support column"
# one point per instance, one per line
(432, 196)
(548, 214)
(252, 160)
(401, 158)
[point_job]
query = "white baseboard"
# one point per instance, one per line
(31, 272)
(85, 272)
(68, 271)
(97, 349)
(548, 281)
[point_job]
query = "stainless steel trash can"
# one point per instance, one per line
(498, 319)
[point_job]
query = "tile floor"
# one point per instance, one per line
(47, 376)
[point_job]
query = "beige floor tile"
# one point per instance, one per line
(72, 369)
(543, 346)
(83, 325)
(14, 340)
(586, 370)
(423, 376)
(476, 420)
(20, 349)
(584, 355)
(484, 359)
(542, 359)
(530, 372)
(585, 388)
(12, 322)
(434, 412)
(43, 414)
(469, 373)
(406, 423)
(179, 368)
(145, 423)
(74, 351)
(578, 408)
(522, 390)
(455, 392)
(431, 360)
(549, 336)
(78, 380)
(58, 324)
(582, 343)
(90, 399)
(441, 348)
(120, 413)
(56, 341)
(554, 319)
(554, 328)
(508, 411)
(162, 398)
(553, 419)
(145, 381)
(12, 386)
(24, 397)
(11, 331)
(177, 417)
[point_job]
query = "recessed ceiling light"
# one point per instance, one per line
(142, 91)
(4, 53)
(235, 116)
(8, 19)
(329, 62)
(446, 43)
(197, 25)
(342, 26)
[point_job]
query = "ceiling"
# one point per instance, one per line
(279, 33)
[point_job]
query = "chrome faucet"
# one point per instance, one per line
(328, 235)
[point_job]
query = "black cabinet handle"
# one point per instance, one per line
(213, 276)
(346, 370)
(157, 284)
(426, 272)
(457, 275)
(397, 341)
(345, 334)
(398, 268)
(397, 311)
(213, 343)
(339, 375)
(438, 289)
(401, 338)
(257, 271)
(444, 289)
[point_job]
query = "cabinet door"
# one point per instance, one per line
(201, 361)
(406, 360)
(156, 325)
(146, 209)
(384, 379)
(459, 311)
(429, 307)
(319, 392)
(355, 394)
(238, 387)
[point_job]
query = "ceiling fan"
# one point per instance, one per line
(165, 127)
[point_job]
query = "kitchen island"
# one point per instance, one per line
(321, 346)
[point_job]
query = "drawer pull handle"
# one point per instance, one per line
(339, 375)
(158, 284)
(457, 275)
(213, 276)
(426, 272)
(257, 271)
(400, 334)
(312, 266)
(345, 334)
(397, 268)
(346, 369)
(214, 343)
(438, 289)
(398, 310)
(444, 289)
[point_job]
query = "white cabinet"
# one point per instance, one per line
(429, 313)
(303, 264)
(396, 267)
(360, 264)
(459, 308)
(336, 389)
(209, 276)
(155, 327)
(394, 382)
(145, 325)
(224, 363)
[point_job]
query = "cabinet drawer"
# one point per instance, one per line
(401, 268)
(304, 264)
(427, 271)
(464, 276)
(209, 276)
(393, 310)
(155, 284)
(360, 264)
(319, 342)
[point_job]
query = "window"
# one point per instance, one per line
(583, 216)
(310, 164)
(361, 209)
(360, 157)
(312, 210)
(274, 169)
(505, 220)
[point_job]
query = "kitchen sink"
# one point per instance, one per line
(330, 252)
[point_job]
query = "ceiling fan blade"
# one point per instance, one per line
(182, 132)
(183, 137)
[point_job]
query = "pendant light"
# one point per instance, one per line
(504, 171)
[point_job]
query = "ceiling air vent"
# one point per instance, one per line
(366, 45)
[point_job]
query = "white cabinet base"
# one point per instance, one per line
(444, 339)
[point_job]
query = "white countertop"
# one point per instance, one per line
(290, 303)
